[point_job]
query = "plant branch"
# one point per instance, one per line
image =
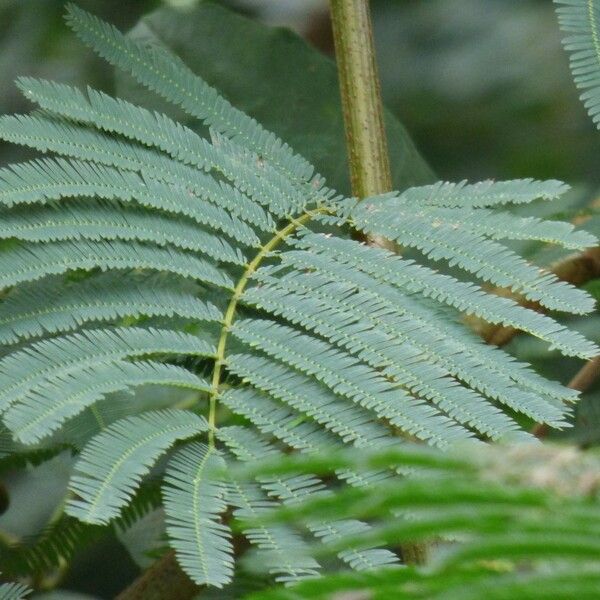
(164, 580)
(361, 98)
(251, 267)
(577, 270)
(582, 381)
(586, 375)
(364, 124)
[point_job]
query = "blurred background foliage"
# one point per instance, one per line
(483, 87)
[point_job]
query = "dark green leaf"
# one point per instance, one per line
(277, 78)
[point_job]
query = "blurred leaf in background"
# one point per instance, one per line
(276, 77)
(35, 41)
(484, 87)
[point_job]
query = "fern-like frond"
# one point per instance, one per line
(14, 591)
(359, 558)
(282, 551)
(106, 220)
(580, 20)
(244, 444)
(47, 179)
(83, 143)
(32, 262)
(410, 277)
(166, 75)
(499, 225)
(393, 217)
(141, 227)
(285, 199)
(402, 361)
(113, 463)
(345, 375)
(424, 325)
(296, 489)
(406, 318)
(250, 447)
(46, 408)
(484, 193)
(280, 548)
(289, 426)
(265, 186)
(352, 423)
(22, 372)
(194, 499)
(52, 306)
(276, 419)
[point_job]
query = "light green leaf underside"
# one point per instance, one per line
(280, 548)
(401, 361)
(273, 418)
(291, 490)
(325, 342)
(32, 262)
(485, 193)
(344, 374)
(41, 180)
(14, 591)
(250, 447)
(468, 249)
(264, 185)
(23, 371)
(410, 277)
(53, 134)
(113, 463)
(354, 296)
(499, 225)
(463, 206)
(423, 323)
(353, 424)
(45, 409)
(52, 306)
(105, 220)
(244, 444)
(194, 501)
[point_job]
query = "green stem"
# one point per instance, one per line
(161, 580)
(361, 98)
(365, 130)
(251, 267)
